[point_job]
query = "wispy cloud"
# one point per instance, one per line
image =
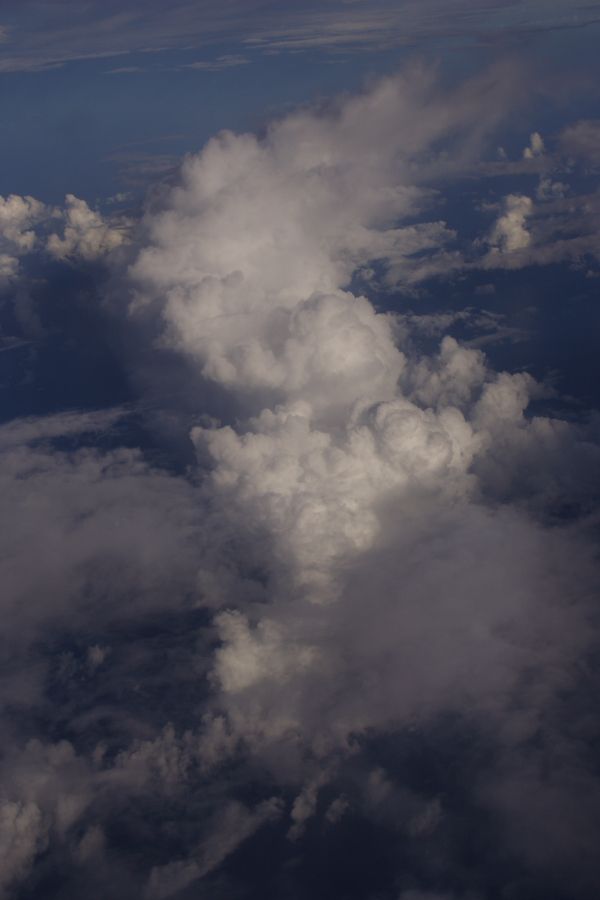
(227, 61)
(67, 33)
(126, 70)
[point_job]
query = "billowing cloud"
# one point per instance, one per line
(27, 225)
(378, 542)
(364, 492)
(86, 236)
(260, 238)
(18, 216)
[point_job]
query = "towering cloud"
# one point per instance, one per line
(510, 231)
(368, 548)
(361, 488)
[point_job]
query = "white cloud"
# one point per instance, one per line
(25, 223)
(251, 259)
(510, 232)
(357, 478)
(535, 148)
(245, 658)
(253, 250)
(86, 234)
(18, 216)
(367, 531)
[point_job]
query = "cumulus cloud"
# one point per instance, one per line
(262, 235)
(27, 225)
(373, 543)
(390, 586)
(536, 146)
(510, 232)
(86, 236)
(18, 216)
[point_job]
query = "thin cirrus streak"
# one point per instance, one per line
(106, 30)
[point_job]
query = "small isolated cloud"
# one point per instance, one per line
(510, 232)
(548, 189)
(535, 148)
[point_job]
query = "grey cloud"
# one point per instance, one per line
(581, 141)
(229, 828)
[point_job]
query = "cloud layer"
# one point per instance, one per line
(110, 29)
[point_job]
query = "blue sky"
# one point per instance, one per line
(91, 91)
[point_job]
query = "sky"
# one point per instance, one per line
(299, 450)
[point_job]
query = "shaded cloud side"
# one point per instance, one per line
(375, 544)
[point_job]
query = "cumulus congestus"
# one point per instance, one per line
(358, 604)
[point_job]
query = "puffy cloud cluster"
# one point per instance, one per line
(27, 225)
(19, 217)
(360, 551)
(262, 235)
(87, 236)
